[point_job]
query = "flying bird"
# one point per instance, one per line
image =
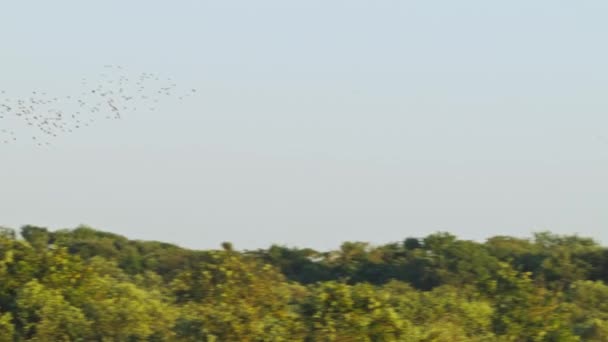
(50, 116)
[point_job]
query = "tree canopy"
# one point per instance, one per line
(84, 284)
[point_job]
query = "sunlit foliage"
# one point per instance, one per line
(89, 285)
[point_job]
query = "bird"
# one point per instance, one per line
(51, 115)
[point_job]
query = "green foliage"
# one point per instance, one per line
(38, 237)
(88, 285)
(588, 305)
(124, 312)
(7, 233)
(340, 312)
(7, 329)
(234, 298)
(45, 315)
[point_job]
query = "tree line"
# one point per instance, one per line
(84, 284)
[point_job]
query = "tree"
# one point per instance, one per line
(38, 237)
(7, 233)
(232, 298)
(529, 313)
(45, 315)
(7, 328)
(340, 312)
(589, 308)
(123, 312)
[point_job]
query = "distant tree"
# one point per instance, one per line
(7, 328)
(340, 312)
(233, 298)
(411, 243)
(123, 312)
(45, 315)
(88, 285)
(305, 266)
(589, 309)
(227, 246)
(7, 233)
(38, 237)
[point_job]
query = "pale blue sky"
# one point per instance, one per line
(318, 122)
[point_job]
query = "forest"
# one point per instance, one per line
(83, 284)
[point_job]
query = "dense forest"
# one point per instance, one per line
(87, 285)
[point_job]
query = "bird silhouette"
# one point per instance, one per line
(112, 95)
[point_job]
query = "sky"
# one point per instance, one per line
(317, 122)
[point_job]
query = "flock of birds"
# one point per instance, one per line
(110, 96)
